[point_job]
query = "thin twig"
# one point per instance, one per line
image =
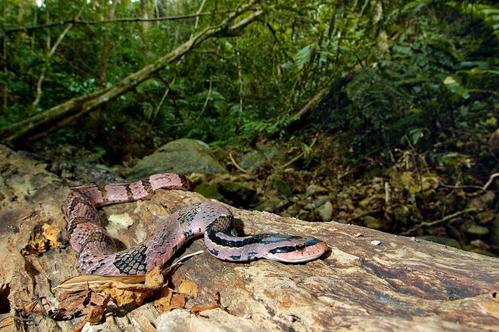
(237, 165)
(180, 260)
(439, 221)
(198, 13)
(208, 95)
(298, 156)
(76, 21)
(158, 107)
(489, 182)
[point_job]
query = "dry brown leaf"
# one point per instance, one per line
(155, 278)
(125, 297)
(95, 314)
(188, 287)
(74, 304)
(163, 304)
(90, 294)
(178, 301)
(135, 294)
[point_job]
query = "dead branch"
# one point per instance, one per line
(309, 105)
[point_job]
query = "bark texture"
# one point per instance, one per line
(393, 285)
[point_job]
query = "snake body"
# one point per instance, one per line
(89, 238)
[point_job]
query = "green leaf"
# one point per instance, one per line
(303, 56)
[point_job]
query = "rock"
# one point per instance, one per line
(252, 160)
(320, 200)
(265, 153)
(269, 204)
(310, 206)
(315, 189)
(180, 156)
(326, 211)
(238, 193)
(90, 173)
(483, 201)
(398, 285)
(477, 230)
(373, 223)
(216, 320)
(486, 217)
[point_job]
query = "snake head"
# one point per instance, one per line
(298, 250)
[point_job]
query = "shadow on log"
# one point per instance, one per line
(370, 280)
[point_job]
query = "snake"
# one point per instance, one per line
(96, 250)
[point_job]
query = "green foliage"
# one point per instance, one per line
(409, 95)
(402, 73)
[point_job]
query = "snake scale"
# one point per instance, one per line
(90, 239)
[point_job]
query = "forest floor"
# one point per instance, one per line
(316, 182)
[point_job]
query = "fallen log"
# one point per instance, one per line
(369, 281)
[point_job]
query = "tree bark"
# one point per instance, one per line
(66, 113)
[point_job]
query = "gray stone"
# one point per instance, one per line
(326, 211)
(181, 156)
(482, 201)
(316, 189)
(478, 230)
(269, 204)
(282, 186)
(321, 200)
(373, 222)
(265, 153)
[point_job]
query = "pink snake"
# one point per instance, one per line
(213, 220)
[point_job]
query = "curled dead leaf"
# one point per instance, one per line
(178, 301)
(90, 294)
